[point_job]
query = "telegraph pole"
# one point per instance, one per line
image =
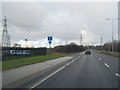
(102, 41)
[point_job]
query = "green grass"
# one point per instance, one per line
(0, 65)
(112, 54)
(13, 63)
(15, 57)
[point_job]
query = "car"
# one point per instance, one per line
(26, 53)
(87, 52)
(12, 52)
(20, 52)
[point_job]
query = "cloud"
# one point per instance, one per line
(64, 21)
(0, 23)
(27, 16)
(64, 24)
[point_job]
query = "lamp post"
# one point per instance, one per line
(112, 31)
(26, 42)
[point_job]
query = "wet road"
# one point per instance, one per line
(87, 71)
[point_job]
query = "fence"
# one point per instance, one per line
(12, 51)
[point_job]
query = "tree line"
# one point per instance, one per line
(71, 48)
(108, 46)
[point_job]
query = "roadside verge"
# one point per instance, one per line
(23, 61)
(109, 53)
(19, 77)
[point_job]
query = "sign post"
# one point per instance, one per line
(50, 38)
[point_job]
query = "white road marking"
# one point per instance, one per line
(47, 78)
(99, 59)
(67, 64)
(117, 74)
(53, 73)
(106, 65)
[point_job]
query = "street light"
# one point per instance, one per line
(112, 31)
(26, 42)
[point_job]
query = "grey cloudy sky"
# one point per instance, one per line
(62, 20)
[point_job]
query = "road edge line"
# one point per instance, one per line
(54, 72)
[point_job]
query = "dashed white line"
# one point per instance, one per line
(106, 65)
(117, 74)
(99, 59)
(53, 73)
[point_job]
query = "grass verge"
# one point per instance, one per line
(13, 63)
(112, 54)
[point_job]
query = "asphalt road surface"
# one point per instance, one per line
(86, 71)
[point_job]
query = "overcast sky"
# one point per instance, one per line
(65, 21)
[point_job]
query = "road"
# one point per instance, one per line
(86, 71)
(82, 71)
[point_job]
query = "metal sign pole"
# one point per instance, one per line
(50, 47)
(50, 41)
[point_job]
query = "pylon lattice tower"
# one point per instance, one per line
(81, 39)
(5, 35)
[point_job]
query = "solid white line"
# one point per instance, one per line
(53, 73)
(117, 74)
(67, 64)
(106, 65)
(46, 78)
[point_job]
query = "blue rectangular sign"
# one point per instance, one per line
(50, 38)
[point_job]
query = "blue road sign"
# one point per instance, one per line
(50, 38)
(49, 42)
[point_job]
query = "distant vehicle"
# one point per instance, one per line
(26, 52)
(12, 52)
(87, 52)
(20, 52)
